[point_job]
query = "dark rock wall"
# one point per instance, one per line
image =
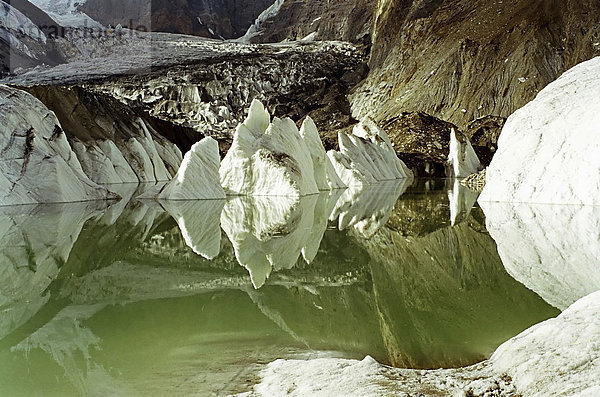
(226, 18)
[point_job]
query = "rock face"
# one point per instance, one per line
(367, 157)
(114, 143)
(208, 18)
(462, 160)
(541, 247)
(323, 20)
(268, 158)
(38, 164)
(198, 176)
(548, 149)
(462, 60)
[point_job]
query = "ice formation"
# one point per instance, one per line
(551, 249)
(268, 159)
(462, 160)
(367, 157)
(548, 150)
(50, 233)
(137, 158)
(198, 176)
(38, 164)
(254, 29)
(326, 177)
(560, 356)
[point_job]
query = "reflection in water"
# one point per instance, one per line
(552, 249)
(150, 298)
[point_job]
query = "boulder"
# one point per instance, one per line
(37, 162)
(548, 150)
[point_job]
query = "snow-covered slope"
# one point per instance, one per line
(462, 160)
(367, 157)
(548, 150)
(38, 164)
(198, 176)
(65, 12)
(268, 158)
(551, 249)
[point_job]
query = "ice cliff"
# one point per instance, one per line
(367, 157)
(38, 164)
(548, 150)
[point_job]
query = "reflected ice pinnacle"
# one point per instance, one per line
(551, 249)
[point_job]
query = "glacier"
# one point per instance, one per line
(268, 158)
(38, 164)
(462, 159)
(197, 178)
(548, 150)
(367, 157)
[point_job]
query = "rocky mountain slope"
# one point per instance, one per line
(456, 60)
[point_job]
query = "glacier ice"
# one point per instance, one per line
(551, 249)
(560, 356)
(462, 159)
(198, 176)
(38, 164)
(268, 159)
(326, 177)
(367, 157)
(548, 150)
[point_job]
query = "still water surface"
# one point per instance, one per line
(147, 298)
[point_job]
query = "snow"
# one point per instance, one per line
(37, 162)
(548, 150)
(367, 157)
(255, 28)
(462, 159)
(268, 159)
(65, 13)
(551, 249)
(15, 23)
(198, 176)
(559, 357)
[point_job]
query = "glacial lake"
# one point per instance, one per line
(190, 298)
